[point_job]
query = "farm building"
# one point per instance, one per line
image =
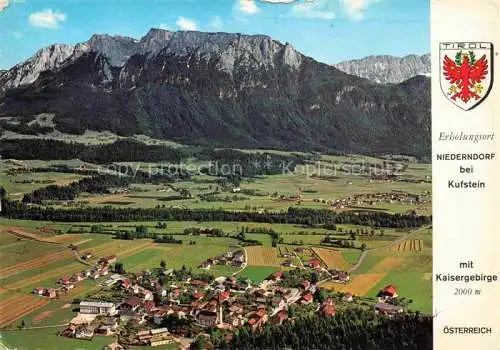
(388, 292)
(84, 333)
(207, 318)
(113, 346)
(39, 291)
(307, 298)
(314, 263)
(96, 307)
(206, 265)
(110, 259)
(327, 308)
(388, 309)
(51, 293)
(276, 276)
(348, 297)
(131, 303)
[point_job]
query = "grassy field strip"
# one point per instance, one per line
(262, 256)
(18, 307)
(412, 285)
(81, 292)
(104, 249)
(34, 263)
(6, 239)
(45, 276)
(21, 232)
(82, 242)
(333, 258)
(360, 284)
(121, 252)
(30, 273)
(258, 273)
(77, 266)
(387, 264)
(65, 238)
(146, 262)
(13, 244)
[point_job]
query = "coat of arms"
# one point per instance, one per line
(466, 72)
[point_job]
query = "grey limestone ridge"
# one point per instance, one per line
(223, 89)
(256, 49)
(388, 69)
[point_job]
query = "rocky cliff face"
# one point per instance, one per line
(117, 50)
(222, 89)
(48, 58)
(388, 69)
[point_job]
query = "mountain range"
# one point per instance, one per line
(220, 89)
(388, 69)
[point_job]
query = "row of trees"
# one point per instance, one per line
(306, 217)
(95, 184)
(124, 150)
(352, 328)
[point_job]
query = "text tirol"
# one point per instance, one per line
(465, 46)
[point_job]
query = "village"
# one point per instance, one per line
(371, 199)
(163, 306)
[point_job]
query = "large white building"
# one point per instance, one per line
(97, 308)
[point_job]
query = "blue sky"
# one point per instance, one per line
(327, 30)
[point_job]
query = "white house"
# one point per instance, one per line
(97, 307)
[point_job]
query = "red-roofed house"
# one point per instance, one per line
(38, 291)
(223, 297)
(51, 293)
(199, 283)
(131, 303)
(314, 263)
(305, 284)
(327, 308)
(280, 317)
(307, 298)
(148, 305)
(276, 276)
(64, 280)
(348, 297)
(110, 259)
(197, 296)
(389, 291)
(125, 283)
(258, 320)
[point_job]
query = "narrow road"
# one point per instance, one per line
(40, 327)
(300, 260)
(245, 264)
(79, 258)
(26, 235)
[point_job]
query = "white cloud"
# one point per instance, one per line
(47, 19)
(216, 23)
(319, 9)
(355, 8)
(164, 26)
(4, 4)
(248, 7)
(186, 23)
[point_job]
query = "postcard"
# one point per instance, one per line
(249, 174)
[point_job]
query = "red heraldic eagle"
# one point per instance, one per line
(465, 76)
